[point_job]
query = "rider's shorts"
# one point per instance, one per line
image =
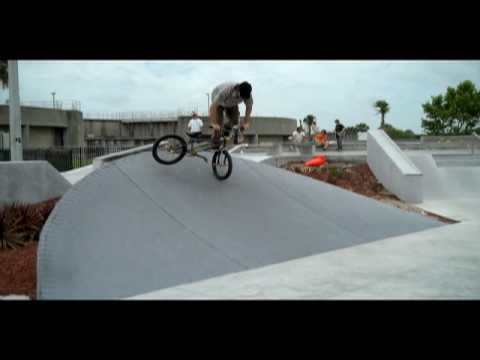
(232, 114)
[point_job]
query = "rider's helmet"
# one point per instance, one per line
(245, 90)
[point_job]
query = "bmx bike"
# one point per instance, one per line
(170, 149)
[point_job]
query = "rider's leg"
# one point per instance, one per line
(216, 134)
(233, 115)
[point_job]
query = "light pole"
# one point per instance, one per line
(16, 152)
(53, 95)
(208, 102)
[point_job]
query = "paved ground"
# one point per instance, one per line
(439, 263)
(136, 226)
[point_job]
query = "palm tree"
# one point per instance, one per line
(382, 108)
(309, 121)
(4, 73)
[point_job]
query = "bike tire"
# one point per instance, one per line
(180, 156)
(228, 158)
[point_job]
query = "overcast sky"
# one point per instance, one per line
(326, 89)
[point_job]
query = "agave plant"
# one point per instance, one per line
(21, 223)
(11, 232)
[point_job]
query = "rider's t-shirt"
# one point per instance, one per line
(195, 125)
(225, 95)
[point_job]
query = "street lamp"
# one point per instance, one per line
(53, 95)
(208, 102)
(15, 118)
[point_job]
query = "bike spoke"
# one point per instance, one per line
(170, 149)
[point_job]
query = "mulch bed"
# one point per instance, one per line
(360, 179)
(20, 227)
(18, 271)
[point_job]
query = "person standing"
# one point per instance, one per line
(339, 132)
(195, 126)
(298, 135)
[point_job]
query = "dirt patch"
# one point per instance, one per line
(20, 227)
(360, 179)
(18, 271)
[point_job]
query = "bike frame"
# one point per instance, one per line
(193, 150)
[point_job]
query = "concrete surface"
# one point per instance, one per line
(74, 176)
(101, 160)
(134, 226)
(392, 167)
(440, 263)
(30, 182)
(446, 182)
(455, 160)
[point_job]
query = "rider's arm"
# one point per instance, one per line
(248, 111)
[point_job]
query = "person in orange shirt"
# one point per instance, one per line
(322, 139)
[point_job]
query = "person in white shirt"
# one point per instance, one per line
(297, 136)
(195, 126)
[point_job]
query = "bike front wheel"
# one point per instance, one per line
(169, 149)
(222, 164)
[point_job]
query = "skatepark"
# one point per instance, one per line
(130, 228)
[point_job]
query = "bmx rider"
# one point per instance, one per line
(225, 100)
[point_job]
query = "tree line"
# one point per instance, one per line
(457, 112)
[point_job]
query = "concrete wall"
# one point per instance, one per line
(41, 137)
(118, 130)
(30, 182)
(268, 129)
(51, 119)
(397, 173)
(263, 130)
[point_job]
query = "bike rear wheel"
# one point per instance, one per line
(169, 149)
(222, 164)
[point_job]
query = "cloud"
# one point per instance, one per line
(327, 89)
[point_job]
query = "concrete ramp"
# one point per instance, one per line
(135, 226)
(446, 182)
(392, 167)
(30, 182)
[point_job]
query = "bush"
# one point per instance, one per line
(21, 223)
(395, 133)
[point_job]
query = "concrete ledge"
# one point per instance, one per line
(100, 161)
(30, 182)
(393, 168)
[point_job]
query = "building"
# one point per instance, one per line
(44, 128)
(48, 127)
(138, 132)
